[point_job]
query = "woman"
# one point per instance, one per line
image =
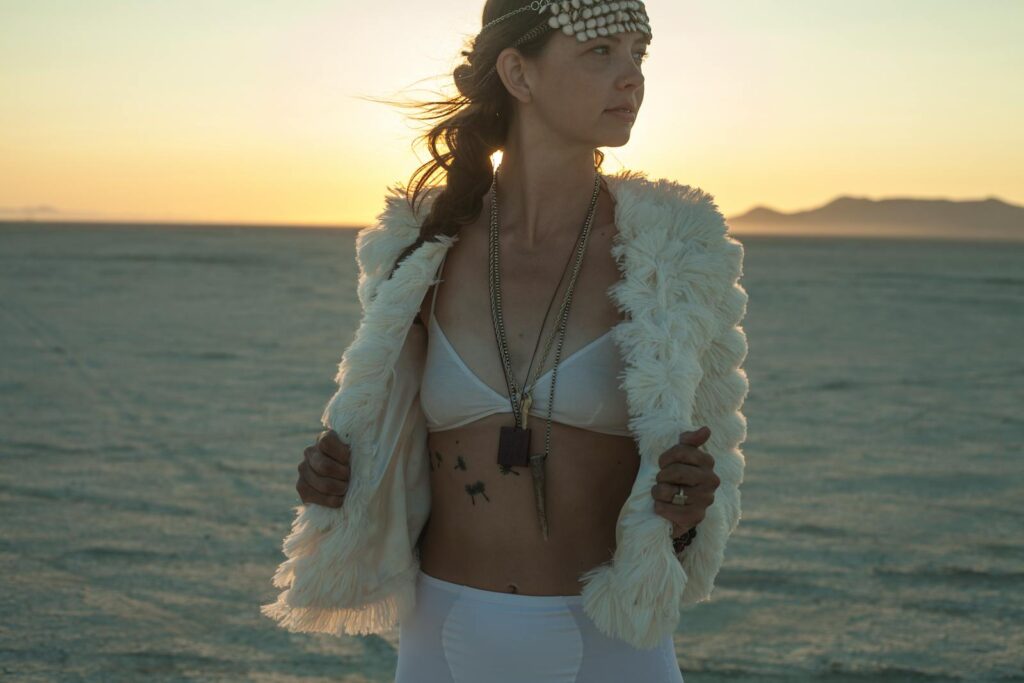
(505, 510)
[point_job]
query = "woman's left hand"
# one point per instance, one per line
(688, 466)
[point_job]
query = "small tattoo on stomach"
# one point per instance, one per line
(435, 454)
(474, 489)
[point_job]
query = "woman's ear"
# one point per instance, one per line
(512, 70)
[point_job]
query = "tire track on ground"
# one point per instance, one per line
(55, 349)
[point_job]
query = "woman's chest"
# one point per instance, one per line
(515, 341)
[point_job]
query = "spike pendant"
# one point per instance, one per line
(537, 470)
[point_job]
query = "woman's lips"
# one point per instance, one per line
(622, 114)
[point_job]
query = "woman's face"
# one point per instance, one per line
(575, 85)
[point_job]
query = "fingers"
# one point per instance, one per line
(310, 495)
(663, 493)
(331, 445)
(684, 474)
(695, 437)
(680, 473)
(690, 513)
(329, 486)
(326, 466)
(687, 453)
(686, 465)
(324, 476)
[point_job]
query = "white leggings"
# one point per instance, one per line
(461, 634)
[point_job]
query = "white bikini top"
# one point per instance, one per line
(586, 396)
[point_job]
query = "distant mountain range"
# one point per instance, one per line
(984, 219)
(989, 218)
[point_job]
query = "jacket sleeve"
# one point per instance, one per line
(351, 570)
(718, 404)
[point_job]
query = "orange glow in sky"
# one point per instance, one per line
(251, 112)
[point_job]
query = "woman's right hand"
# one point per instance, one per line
(324, 471)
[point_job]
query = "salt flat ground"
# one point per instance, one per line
(158, 384)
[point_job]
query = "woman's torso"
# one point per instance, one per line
(483, 530)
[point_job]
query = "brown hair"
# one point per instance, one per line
(472, 125)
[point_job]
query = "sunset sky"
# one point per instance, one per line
(249, 111)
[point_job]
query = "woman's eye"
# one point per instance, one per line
(643, 55)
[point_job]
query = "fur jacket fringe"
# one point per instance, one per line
(352, 570)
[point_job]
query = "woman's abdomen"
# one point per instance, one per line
(483, 529)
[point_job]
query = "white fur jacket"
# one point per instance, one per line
(351, 570)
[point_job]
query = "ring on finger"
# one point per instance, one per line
(679, 498)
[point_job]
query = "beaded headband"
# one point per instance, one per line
(588, 19)
(585, 19)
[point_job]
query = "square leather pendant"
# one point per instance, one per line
(514, 447)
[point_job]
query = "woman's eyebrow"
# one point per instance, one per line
(642, 39)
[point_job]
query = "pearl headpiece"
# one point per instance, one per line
(588, 19)
(585, 19)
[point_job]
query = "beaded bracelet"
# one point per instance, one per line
(686, 539)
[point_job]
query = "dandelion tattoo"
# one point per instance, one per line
(507, 469)
(434, 454)
(473, 489)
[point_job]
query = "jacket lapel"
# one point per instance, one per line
(670, 279)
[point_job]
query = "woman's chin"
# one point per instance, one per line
(616, 140)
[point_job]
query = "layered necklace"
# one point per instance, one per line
(514, 440)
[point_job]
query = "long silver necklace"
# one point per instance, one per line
(514, 441)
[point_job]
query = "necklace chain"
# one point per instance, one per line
(559, 331)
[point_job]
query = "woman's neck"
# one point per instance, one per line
(543, 195)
